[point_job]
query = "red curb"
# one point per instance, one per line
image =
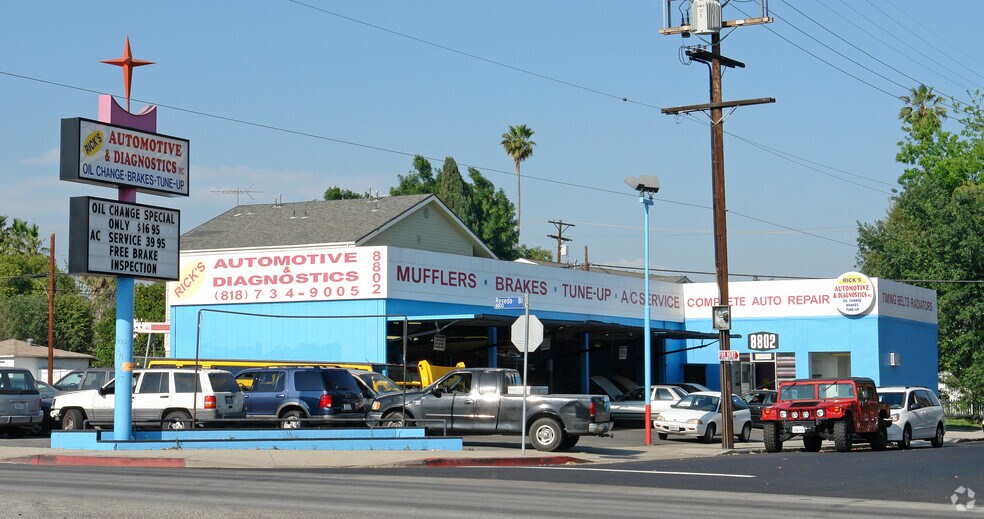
(97, 461)
(493, 462)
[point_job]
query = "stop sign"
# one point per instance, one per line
(519, 333)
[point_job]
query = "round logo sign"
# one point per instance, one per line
(853, 293)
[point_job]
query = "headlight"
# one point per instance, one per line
(782, 414)
(697, 421)
(658, 417)
(806, 414)
(796, 415)
(820, 413)
(375, 406)
(895, 417)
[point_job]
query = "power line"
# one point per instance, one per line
(959, 48)
(920, 38)
(474, 56)
(894, 48)
(859, 49)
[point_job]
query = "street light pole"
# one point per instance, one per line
(646, 185)
(647, 200)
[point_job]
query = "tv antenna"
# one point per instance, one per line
(248, 192)
(373, 199)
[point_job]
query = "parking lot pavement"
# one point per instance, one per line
(625, 444)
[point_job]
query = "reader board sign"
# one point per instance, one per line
(104, 154)
(113, 238)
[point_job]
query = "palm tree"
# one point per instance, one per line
(922, 109)
(518, 145)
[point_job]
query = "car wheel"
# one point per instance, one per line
(394, 419)
(812, 442)
(878, 439)
(73, 420)
(546, 434)
(746, 432)
(937, 440)
(293, 419)
(843, 436)
(708, 436)
(569, 442)
(906, 440)
(662, 436)
(770, 434)
(177, 420)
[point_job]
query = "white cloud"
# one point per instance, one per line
(47, 158)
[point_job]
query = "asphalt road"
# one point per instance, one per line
(892, 483)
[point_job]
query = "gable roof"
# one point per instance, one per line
(343, 223)
(16, 348)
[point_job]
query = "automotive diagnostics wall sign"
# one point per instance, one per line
(108, 237)
(763, 341)
(104, 154)
(853, 293)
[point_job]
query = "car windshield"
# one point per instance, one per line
(635, 394)
(895, 400)
(836, 390)
(798, 392)
(381, 384)
(698, 403)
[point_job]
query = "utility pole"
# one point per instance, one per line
(560, 234)
(706, 21)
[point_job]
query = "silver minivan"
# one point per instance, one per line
(20, 401)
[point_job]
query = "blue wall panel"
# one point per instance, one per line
(917, 346)
(253, 336)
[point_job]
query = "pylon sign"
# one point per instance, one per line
(519, 333)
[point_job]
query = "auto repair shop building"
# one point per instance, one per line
(347, 280)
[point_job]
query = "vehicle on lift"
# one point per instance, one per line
(490, 401)
(843, 410)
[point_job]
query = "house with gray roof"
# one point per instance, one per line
(420, 222)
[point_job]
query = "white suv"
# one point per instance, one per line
(916, 415)
(161, 398)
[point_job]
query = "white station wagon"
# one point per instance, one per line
(164, 398)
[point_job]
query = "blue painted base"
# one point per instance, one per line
(274, 439)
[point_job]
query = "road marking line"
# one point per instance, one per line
(658, 472)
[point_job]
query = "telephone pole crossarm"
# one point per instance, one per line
(686, 109)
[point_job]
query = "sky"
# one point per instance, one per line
(286, 98)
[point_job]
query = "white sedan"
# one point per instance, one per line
(699, 414)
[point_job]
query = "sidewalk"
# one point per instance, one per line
(478, 451)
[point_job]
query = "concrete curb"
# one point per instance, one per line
(491, 462)
(96, 461)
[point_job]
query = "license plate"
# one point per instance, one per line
(799, 429)
(346, 407)
(20, 406)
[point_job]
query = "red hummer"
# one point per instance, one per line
(842, 410)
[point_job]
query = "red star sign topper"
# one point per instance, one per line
(127, 63)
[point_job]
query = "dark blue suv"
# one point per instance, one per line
(296, 397)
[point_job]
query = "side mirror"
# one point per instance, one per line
(437, 392)
(107, 390)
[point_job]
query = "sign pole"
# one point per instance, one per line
(526, 354)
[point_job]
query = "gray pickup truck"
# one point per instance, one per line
(479, 401)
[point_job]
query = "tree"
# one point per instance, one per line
(933, 230)
(454, 192)
(518, 145)
(494, 221)
(337, 193)
(417, 182)
(535, 253)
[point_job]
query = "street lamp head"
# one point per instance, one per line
(643, 183)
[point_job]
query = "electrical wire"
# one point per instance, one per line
(859, 49)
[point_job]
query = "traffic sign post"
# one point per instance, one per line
(728, 355)
(527, 335)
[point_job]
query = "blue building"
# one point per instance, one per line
(402, 279)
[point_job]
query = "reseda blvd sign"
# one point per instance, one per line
(109, 237)
(519, 333)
